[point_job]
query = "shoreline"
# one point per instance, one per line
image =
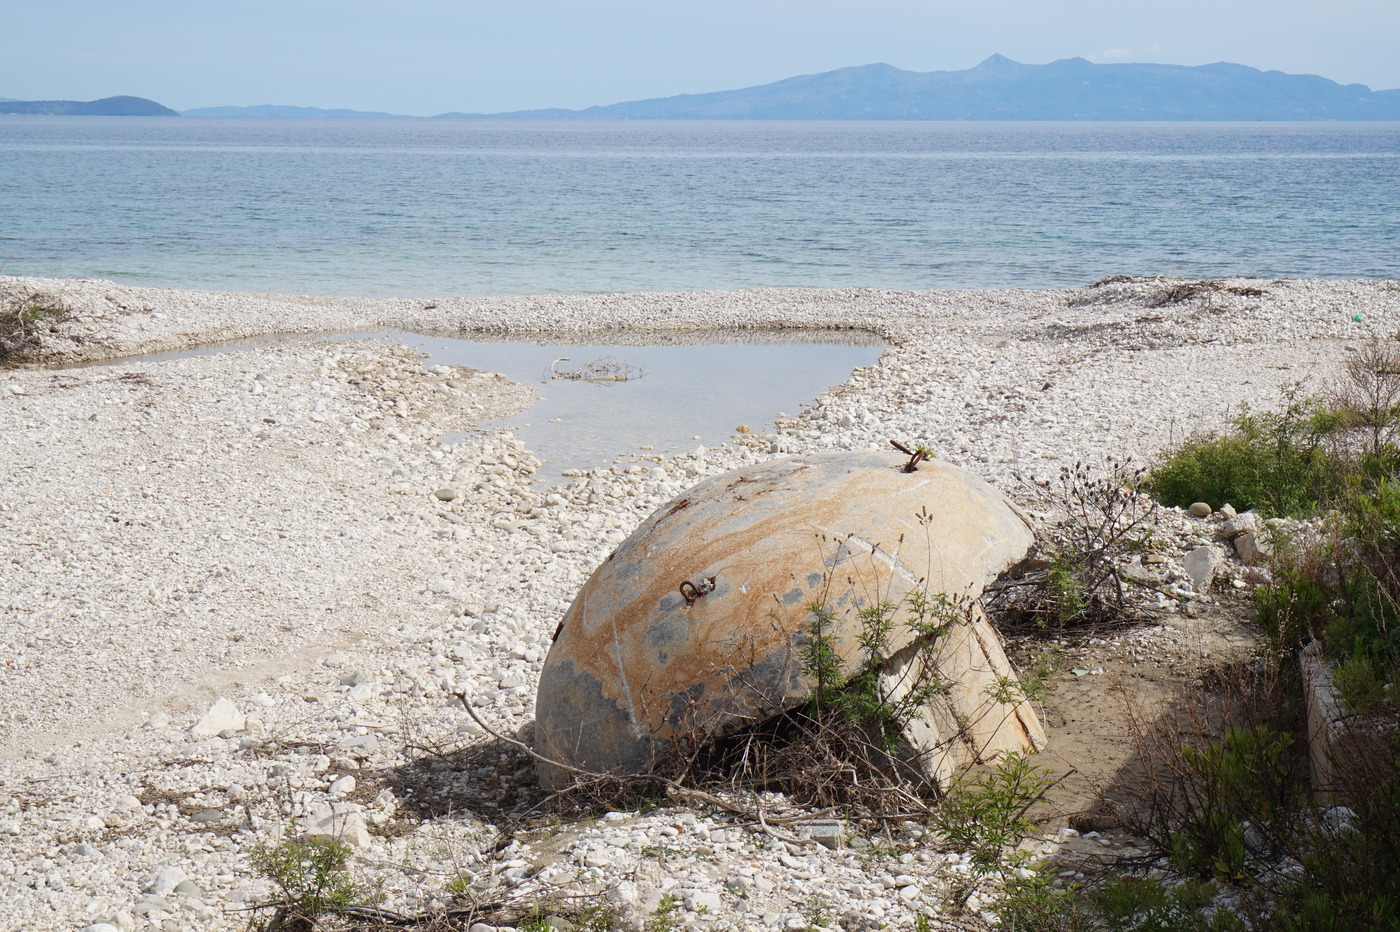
(262, 526)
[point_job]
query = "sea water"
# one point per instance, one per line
(427, 207)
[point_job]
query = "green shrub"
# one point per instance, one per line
(1067, 590)
(858, 698)
(310, 878)
(1349, 878)
(25, 317)
(1103, 517)
(1243, 782)
(1293, 609)
(985, 814)
(1345, 590)
(1278, 463)
(1131, 904)
(1031, 900)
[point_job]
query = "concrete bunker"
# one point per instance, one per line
(692, 629)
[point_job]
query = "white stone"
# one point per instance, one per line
(707, 901)
(164, 880)
(342, 822)
(624, 894)
(222, 716)
(1246, 523)
(1200, 564)
(343, 786)
(1254, 549)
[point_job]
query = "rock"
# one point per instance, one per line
(707, 901)
(1247, 523)
(164, 880)
(625, 893)
(1258, 576)
(1227, 510)
(1199, 510)
(222, 716)
(1136, 572)
(647, 651)
(188, 888)
(101, 927)
(343, 786)
(446, 495)
(342, 822)
(1200, 564)
(359, 745)
(829, 833)
(1253, 549)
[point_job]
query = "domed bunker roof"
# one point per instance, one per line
(694, 627)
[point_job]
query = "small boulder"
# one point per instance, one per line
(1253, 548)
(1200, 564)
(1199, 509)
(222, 716)
(342, 822)
(1247, 523)
(1258, 576)
(164, 880)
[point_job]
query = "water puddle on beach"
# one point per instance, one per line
(677, 392)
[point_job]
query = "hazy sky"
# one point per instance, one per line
(431, 56)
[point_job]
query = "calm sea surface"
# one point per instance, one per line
(435, 207)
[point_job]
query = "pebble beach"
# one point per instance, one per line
(240, 589)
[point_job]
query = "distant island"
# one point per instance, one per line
(107, 106)
(1072, 89)
(1002, 89)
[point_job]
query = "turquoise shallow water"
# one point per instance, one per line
(434, 207)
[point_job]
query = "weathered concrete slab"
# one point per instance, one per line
(694, 626)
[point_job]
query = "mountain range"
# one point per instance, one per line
(997, 89)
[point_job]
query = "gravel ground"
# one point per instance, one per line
(275, 537)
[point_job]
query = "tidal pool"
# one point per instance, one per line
(675, 396)
(677, 392)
